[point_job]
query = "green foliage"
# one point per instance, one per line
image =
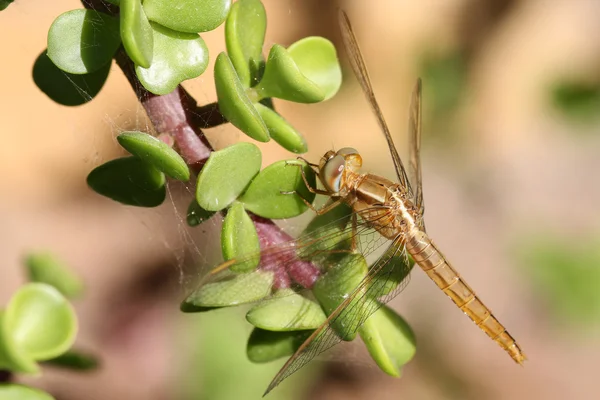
(239, 238)
(4, 4)
(45, 267)
(287, 311)
(196, 214)
(83, 41)
(264, 196)
(188, 15)
(75, 360)
(282, 132)
(65, 88)
(226, 174)
(20, 392)
(155, 152)
(136, 33)
(265, 346)
(578, 101)
(130, 181)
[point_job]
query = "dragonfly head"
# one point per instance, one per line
(335, 165)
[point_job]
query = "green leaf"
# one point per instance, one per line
(4, 4)
(130, 181)
(136, 32)
(64, 88)
(245, 29)
(288, 311)
(226, 174)
(115, 2)
(13, 358)
(336, 285)
(265, 346)
(188, 15)
(177, 56)
(577, 100)
(283, 79)
(263, 197)
(75, 360)
(40, 321)
(196, 214)
(281, 131)
(234, 103)
(317, 60)
(389, 339)
(46, 268)
(10, 391)
(155, 152)
(83, 41)
(394, 272)
(239, 238)
(339, 215)
(240, 289)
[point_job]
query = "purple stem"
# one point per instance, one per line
(178, 120)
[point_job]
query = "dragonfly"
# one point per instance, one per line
(392, 210)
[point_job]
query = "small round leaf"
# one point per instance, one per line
(64, 88)
(83, 41)
(234, 104)
(243, 288)
(265, 346)
(245, 29)
(155, 152)
(281, 131)
(288, 311)
(389, 339)
(317, 60)
(46, 268)
(226, 174)
(40, 321)
(264, 196)
(5, 3)
(136, 32)
(188, 15)
(239, 238)
(75, 360)
(12, 357)
(283, 79)
(10, 391)
(196, 214)
(177, 56)
(129, 180)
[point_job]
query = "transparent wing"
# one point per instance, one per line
(360, 70)
(414, 137)
(298, 263)
(368, 297)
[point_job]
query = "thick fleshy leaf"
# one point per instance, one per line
(83, 41)
(281, 131)
(226, 174)
(234, 104)
(10, 391)
(336, 285)
(130, 181)
(265, 346)
(341, 216)
(155, 152)
(394, 272)
(283, 79)
(264, 196)
(64, 88)
(12, 357)
(244, 288)
(46, 268)
(75, 360)
(317, 60)
(244, 35)
(288, 311)
(5, 3)
(136, 32)
(40, 321)
(177, 56)
(196, 214)
(188, 15)
(239, 238)
(389, 339)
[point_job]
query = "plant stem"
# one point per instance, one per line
(5, 376)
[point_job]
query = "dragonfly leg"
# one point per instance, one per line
(354, 229)
(316, 166)
(308, 186)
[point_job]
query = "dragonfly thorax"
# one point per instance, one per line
(335, 167)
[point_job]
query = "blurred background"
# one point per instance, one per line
(511, 153)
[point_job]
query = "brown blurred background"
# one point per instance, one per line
(511, 152)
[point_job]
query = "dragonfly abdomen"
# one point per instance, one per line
(436, 266)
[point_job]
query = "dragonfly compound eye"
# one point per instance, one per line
(332, 173)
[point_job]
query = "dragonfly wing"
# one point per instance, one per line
(360, 71)
(414, 137)
(368, 297)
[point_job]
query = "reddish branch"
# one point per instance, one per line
(177, 119)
